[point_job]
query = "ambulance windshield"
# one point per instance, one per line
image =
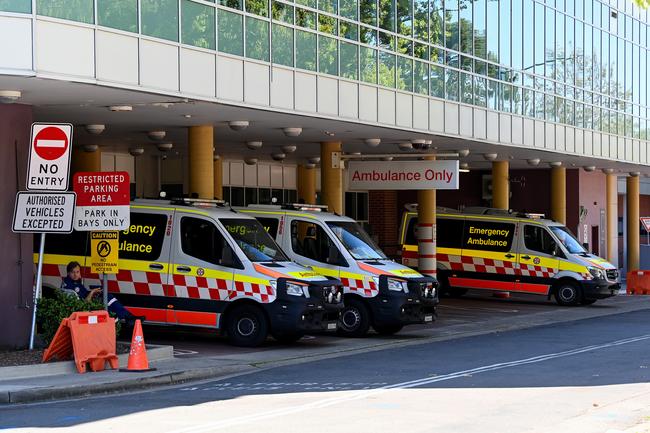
(253, 240)
(356, 241)
(567, 239)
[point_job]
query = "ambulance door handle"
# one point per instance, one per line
(183, 268)
(156, 266)
(525, 257)
(509, 256)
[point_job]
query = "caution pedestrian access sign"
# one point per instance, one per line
(44, 212)
(104, 252)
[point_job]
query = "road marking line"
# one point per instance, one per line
(403, 385)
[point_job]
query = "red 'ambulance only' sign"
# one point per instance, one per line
(49, 157)
(102, 200)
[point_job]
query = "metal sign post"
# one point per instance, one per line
(37, 290)
(105, 290)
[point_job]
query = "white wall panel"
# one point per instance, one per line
(436, 115)
(236, 173)
(230, 78)
(404, 110)
(540, 139)
(225, 169)
(560, 145)
(505, 128)
(263, 175)
(420, 113)
(256, 83)
(250, 175)
(636, 150)
(549, 136)
(276, 176)
(125, 162)
(117, 57)
(466, 121)
(289, 173)
(65, 49)
(624, 149)
(158, 65)
(597, 144)
(480, 123)
(529, 132)
(282, 88)
(328, 102)
(492, 126)
(643, 154)
(198, 71)
(348, 100)
(451, 118)
(571, 142)
(589, 143)
(305, 99)
(517, 130)
(18, 53)
(367, 103)
(386, 106)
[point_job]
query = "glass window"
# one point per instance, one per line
(257, 39)
(21, 6)
(451, 84)
(579, 56)
(404, 17)
(356, 241)
(310, 3)
(368, 12)
(73, 10)
(465, 28)
(538, 239)
(253, 240)
(368, 63)
(328, 55)
(492, 36)
(386, 69)
(437, 81)
(201, 239)
(421, 20)
(368, 36)
(231, 38)
(449, 233)
(404, 73)
(436, 23)
(421, 78)
(282, 12)
(235, 4)
(310, 240)
(480, 47)
(549, 59)
(480, 91)
(387, 14)
(421, 51)
(386, 41)
(349, 30)
(528, 33)
(451, 25)
(349, 61)
(149, 245)
(466, 88)
(348, 9)
(270, 225)
(517, 35)
(327, 24)
(328, 6)
(160, 19)
(282, 45)
(118, 14)
(305, 50)
(539, 39)
(258, 7)
(197, 25)
(72, 244)
(505, 57)
(306, 19)
(560, 53)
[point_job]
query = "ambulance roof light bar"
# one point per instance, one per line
(413, 207)
(304, 206)
(198, 202)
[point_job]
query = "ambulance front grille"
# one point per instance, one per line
(612, 274)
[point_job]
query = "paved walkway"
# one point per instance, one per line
(18, 385)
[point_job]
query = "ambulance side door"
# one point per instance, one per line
(537, 260)
(202, 268)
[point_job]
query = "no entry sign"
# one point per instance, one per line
(49, 157)
(102, 200)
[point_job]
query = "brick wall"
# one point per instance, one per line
(384, 219)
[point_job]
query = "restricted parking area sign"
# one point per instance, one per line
(49, 157)
(103, 200)
(44, 212)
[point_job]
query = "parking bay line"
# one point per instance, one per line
(323, 403)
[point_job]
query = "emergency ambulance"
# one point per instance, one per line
(498, 250)
(378, 292)
(198, 263)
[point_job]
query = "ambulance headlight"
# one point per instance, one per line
(296, 290)
(597, 273)
(398, 285)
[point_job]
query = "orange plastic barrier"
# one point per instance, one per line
(93, 340)
(638, 283)
(138, 361)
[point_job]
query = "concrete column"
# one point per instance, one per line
(85, 161)
(201, 153)
(500, 185)
(427, 230)
(633, 222)
(558, 194)
(217, 168)
(331, 178)
(611, 213)
(306, 184)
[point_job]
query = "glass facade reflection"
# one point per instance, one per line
(576, 62)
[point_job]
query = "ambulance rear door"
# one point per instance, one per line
(202, 269)
(538, 262)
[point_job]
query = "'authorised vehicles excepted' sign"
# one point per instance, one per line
(44, 212)
(49, 157)
(104, 252)
(102, 200)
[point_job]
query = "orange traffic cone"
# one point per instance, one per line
(138, 355)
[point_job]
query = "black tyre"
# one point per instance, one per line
(567, 294)
(355, 319)
(387, 329)
(287, 338)
(246, 326)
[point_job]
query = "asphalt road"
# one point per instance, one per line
(583, 376)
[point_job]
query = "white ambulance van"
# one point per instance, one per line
(378, 292)
(198, 263)
(498, 250)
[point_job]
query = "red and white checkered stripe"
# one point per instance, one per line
(477, 264)
(184, 286)
(365, 288)
(536, 271)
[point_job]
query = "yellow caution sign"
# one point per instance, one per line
(104, 252)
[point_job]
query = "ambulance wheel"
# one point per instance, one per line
(567, 294)
(387, 329)
(247, 326)
(287, 338)
(355, 319)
